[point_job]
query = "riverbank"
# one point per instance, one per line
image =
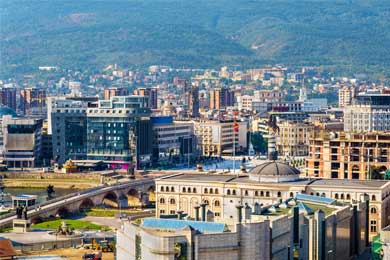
(42, 180)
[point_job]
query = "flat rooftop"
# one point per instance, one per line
(176, 224)
(230, 178)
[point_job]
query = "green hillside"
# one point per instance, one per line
(353, 35)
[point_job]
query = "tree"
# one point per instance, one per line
(260, 144)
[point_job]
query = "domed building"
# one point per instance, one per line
(274, 171)
(4, 110)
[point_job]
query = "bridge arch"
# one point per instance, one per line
(152, 193)
(62, 212)
(86, 204)
(133, 197)
(110, 199)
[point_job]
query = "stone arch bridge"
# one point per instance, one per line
(114, 195)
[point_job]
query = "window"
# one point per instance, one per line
(234, 192)
(261, 193)
(172, 201)
(162, 188)
(217, 203)
(336, 196)
(217, 214)
(172, 212)
(189, 190)
(342, 196)
(256, 193)
(172, 189)
(216, 191)
(211, 191)
(291, 194)
(373, 198)
(373, 210)
(246, 193)
(162, 211)
(167, 189)
(228, 192)
(348, 197)
(373, 226)
(184, 189)
(267, 194)
(206, 202)
(279, 194)
(162, 201)
(193, 190)
(206, 190)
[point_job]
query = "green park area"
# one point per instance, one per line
(75, 224)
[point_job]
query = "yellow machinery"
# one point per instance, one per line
(103, 246)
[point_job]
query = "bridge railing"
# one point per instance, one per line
(74, 194)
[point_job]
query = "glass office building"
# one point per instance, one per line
(111, 130)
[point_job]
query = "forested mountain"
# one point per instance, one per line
(198, 33)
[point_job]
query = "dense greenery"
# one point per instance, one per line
(348, 34)
(260, 144)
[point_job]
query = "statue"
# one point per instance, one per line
(25, 213)
(19, 212)
(50, 190)
(64, 229)
(272, 124)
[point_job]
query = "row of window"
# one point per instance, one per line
(172, 201)
(256, 193)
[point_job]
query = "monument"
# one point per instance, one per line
(22, 223)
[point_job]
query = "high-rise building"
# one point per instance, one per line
(341, 155)
(345, 96)
(367, 113)
(22, 142)
(193, 102)
(221, 98)
(33, 101)
(112, 130)
(68, 129)
(114, 92)
(151, 93)
(8, 97)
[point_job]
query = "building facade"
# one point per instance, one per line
(68, 130)
(341, 155)
(33, 101)
(112, 130)
(172, 140)
(151, 93)
(368, 112)
(346, 95)
(115, 91)
(266, 185)
(216, 137)
(221, 98)
(8, 97)
(293, 138)
(22, 139)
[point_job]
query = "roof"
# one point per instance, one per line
(364, 184)
(6, 248)
(315, 199)
(274, 168)
(4, 110)
(304, 208)
(175, 224)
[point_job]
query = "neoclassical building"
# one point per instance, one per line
(266, 184)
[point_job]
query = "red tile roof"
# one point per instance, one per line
(6, 248)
